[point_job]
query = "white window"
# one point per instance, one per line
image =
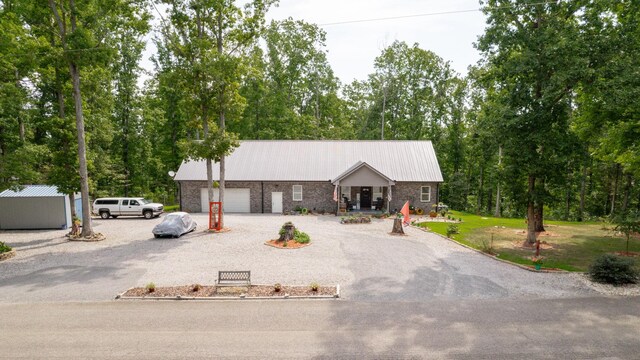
(377, 192)
(345, 191)
(297, 192)
(425, 193)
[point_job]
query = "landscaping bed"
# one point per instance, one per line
(208, 291)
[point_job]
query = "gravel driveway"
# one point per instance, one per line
(367, 262)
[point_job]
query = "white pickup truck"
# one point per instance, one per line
(114, 207)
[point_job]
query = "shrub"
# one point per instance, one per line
(304, 211)
(277, 287)
(612, 269)
(314, 286)
(151, 287)
(452, 229)
(4, 247)
(301, 237)
(196, 288)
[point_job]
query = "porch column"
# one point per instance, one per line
(389, 199)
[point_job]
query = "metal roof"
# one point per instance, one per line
(320, 160)
(32, 191)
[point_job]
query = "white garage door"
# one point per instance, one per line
(235, 200)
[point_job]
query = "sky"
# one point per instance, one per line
(352, 47)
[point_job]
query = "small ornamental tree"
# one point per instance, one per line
(627, 225)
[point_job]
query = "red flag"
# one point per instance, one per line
(405, 212)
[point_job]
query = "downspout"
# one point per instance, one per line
(262, 193)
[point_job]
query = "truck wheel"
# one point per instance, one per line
(104, 214)
(148, 214)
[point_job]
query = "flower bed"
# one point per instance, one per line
(355, 220)
(209, 291)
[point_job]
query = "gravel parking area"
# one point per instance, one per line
(367, 262)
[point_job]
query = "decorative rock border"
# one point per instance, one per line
(7, 255)
(239, 297)
(96, 237)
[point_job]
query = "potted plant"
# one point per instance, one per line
(412, 209)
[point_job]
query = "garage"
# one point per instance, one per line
(235, 200)
(36, 207)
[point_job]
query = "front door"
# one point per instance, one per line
(276, 202)
(365, 197)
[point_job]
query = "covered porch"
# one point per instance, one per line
(362, 188)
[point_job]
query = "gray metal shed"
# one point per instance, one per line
(35, 207)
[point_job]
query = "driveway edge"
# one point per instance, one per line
(524, 267)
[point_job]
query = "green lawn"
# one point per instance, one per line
(575, 245)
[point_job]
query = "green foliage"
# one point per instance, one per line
(627, 224)
(314, 286)
(301, 237)
(151, 287)
(452, 229)
(277, 287)
(611, 269)
(4, 247)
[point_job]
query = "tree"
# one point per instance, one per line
(537, 59)
(208, 38)
(627, 224)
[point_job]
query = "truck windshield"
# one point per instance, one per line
(144, 201)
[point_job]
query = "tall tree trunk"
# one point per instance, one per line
(20, 118)
(583, 185)
(489, 200)
(567, 209)
(539, 219)
(497, 211)
(87, 229)
(531, 214)
(221, 125)
(480, 187)
(614, 195)
(627, 194)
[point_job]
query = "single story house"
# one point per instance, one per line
(36, 207)
(275, 176)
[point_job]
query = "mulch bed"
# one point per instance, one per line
(291, 244)
(95, 237)
(230, 291)
(629, 254)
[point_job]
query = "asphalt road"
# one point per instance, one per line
(567, 328)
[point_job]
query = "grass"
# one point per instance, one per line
(575, 245)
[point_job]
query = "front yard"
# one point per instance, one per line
(567, 245)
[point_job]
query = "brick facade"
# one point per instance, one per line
(410, 191)
(316, 196)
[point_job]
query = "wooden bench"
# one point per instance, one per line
(234, 278)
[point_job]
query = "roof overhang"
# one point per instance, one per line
(359, 166)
